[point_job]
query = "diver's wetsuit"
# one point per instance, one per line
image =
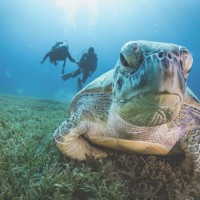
(58, 52)
(87, 66)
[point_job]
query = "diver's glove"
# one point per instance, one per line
(90, 74)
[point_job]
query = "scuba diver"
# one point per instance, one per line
(59, 52)
(87, 66)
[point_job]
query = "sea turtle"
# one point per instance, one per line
(141, 106)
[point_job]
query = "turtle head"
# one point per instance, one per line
(150, 81)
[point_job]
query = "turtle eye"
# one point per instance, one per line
(131, 57)
(185, 61)
(123, 60)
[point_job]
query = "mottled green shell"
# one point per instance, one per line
(102, 84)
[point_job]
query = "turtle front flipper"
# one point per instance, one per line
(190, 144)
(71, 143)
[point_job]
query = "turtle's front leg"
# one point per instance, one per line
(71, 143)
(190, 144)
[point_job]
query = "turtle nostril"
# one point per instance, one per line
(169, 55)
(160, 54)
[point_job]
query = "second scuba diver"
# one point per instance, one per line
(87, 66)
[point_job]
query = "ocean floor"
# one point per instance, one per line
(32, 168)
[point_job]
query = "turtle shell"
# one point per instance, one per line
(102, 84)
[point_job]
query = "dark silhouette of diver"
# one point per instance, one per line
(59, 52)
(87, 66)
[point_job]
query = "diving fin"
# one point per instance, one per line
(66, 76)
(80, 86)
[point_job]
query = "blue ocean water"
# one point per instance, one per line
(29, 28)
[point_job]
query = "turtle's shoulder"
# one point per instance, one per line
(191, 99)
(101, 86)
